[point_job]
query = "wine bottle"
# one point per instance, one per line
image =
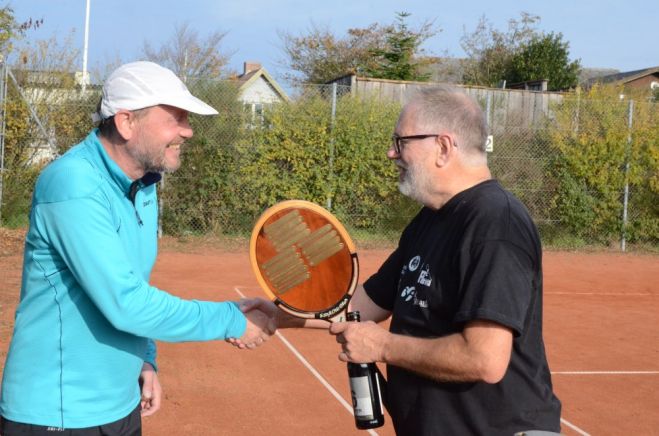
(365, 390)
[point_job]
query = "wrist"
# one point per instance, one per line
(387, 347)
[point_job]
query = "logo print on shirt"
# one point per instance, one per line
(408, 293)
(414, 263)
(424, 276)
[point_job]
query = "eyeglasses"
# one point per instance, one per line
(398, 141)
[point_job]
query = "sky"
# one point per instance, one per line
(601, 33)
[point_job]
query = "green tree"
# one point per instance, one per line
(390, 51)
(400, 58)
(544, 57)
(320, 56)
(489, 50)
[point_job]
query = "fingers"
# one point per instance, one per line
(247, 304)
(236, 343)
(339, 327)
(266, 306)
(151, 391)
(256, 343)
(360, 342)
(260, 326)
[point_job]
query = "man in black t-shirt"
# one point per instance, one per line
(464, 351)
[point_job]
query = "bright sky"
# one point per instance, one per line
(602, 33)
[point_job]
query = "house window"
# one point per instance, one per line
(255, 113)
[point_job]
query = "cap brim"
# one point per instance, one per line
(191, 104)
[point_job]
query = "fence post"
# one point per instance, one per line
(625, 201)
(161, 203)
(488, 112)
(330, 164)
(3, 111)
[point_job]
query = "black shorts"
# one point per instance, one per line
(131, 425)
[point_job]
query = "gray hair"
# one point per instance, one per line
(449, 107)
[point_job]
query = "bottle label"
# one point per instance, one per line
(361, 397)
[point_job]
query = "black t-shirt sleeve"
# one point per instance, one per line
(381, 287)
(497, 282)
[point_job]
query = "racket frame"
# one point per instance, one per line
(333, 313)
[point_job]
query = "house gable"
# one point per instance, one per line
(258, 87)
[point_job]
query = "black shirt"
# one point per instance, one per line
(477, 258)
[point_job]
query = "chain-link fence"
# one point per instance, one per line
(585, 168)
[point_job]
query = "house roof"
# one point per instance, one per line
(252, 76)
(625, 76)
(587, 74)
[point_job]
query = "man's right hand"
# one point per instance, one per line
(260, 326)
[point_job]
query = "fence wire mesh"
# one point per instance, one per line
(585, 169)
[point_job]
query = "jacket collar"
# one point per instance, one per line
(110, 168)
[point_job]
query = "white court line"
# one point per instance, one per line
(607, 294)
(605, 372)
(347, 406)
(574, 427)
(313, 371)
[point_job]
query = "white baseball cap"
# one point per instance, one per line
(138, 85)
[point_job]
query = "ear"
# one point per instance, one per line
(125, 123)
(445, 150)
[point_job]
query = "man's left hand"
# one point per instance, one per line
(151, 390)
(361, 342)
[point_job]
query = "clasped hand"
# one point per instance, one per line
(261, 317)
(361, 342)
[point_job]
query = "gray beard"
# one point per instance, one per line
(412, 185)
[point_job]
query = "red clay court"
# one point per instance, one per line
(601, 334)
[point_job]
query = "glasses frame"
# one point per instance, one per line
(397, 140)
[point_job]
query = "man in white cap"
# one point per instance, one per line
(82, 356)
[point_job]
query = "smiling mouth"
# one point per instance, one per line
(175, 146)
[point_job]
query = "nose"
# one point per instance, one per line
(187, 132)
(186, 129)
(391, 153)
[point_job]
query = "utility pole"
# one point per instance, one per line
(85, 50)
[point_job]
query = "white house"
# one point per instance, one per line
(258, 90)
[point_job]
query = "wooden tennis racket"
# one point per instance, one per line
(304, 260)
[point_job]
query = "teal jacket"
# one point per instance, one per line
(87, 316)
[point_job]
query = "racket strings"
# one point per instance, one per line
(288, 234)
(287, 230)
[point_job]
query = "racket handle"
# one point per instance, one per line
(365, 390)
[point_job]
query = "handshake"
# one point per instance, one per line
(361, 342)
(263, 319)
